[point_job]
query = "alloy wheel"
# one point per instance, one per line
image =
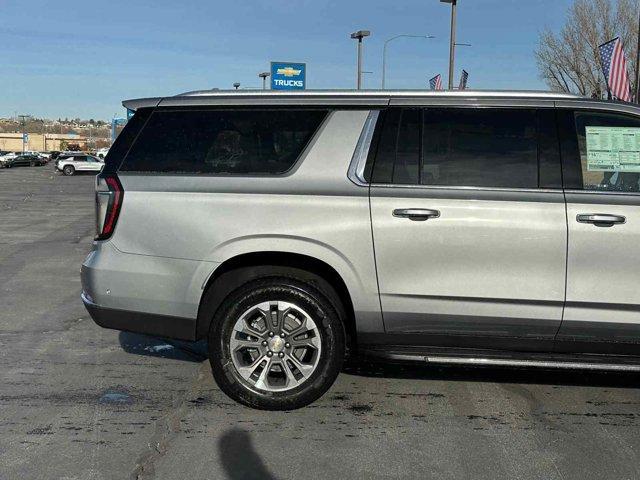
(275, 346)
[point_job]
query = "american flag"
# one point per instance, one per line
(615, 69)
(463, 80)
(436, 82)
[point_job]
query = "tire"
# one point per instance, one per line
(68, 170)
(280, 388)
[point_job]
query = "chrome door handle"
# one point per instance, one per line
(600, 219)
(416, 214)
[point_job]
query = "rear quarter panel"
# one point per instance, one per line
(312, 210)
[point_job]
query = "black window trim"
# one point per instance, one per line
(440, 188)
(367, 144)
(230, 108)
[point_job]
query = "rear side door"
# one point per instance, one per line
(469, 226)
(601, 162)
(80, 162)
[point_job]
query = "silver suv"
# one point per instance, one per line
(491, 228)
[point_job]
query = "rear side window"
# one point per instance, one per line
(481, 148)
(123, 141)
(468, 147)
(222, 141)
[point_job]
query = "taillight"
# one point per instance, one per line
(109, 197)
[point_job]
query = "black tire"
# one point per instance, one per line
(289, 289)
(68, 170)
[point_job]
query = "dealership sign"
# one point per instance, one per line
(288, 76)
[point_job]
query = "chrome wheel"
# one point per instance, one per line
(275, 346)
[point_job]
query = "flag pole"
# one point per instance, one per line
(638, 62)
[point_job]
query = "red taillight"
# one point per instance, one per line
(109, 197)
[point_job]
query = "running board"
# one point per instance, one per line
(469, 360)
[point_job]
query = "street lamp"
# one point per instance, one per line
(236, 85)
(365, 72)
(384, 52)
(359, 35)
(264, 76)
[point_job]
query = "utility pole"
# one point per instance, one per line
(359, 35)
(452, 43)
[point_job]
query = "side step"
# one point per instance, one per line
(495, 359)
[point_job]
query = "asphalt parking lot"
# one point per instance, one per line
(81, 402)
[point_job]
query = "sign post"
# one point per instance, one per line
(25, 141)
(288, 76)
(114, 124)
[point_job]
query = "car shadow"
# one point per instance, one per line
(366, 367)
(149, 346)
(239, 458)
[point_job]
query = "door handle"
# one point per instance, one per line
(600, 219)
(416, 214)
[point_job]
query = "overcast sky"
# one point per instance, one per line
(78, 58)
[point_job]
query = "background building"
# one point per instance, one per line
(42, 142)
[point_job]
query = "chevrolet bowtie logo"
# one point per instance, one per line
(288, 72)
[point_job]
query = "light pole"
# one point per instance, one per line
(264, 76)
(452, 42)
(236, 85)
(384, 52)
(359, 35)
(365, 72)
(44, 140)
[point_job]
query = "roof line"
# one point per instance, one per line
(356, 97)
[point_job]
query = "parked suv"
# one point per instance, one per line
(489, 228)
(71, 164)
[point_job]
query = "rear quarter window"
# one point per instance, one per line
(250, 142)
(123, 142)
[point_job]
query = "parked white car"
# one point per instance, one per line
(79, 163)
(102, 152)
(4, 159)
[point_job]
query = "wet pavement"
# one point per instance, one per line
(81, 402)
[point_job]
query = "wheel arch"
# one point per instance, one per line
(241, 268)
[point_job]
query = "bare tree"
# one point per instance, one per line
(569, 60)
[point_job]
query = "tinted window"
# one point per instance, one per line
(123, 142)
(468, 147)
(386, 152)
(609, 150)
(222, 141)
(406, 166)
(480, 148)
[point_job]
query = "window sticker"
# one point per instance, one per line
(613, 149)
